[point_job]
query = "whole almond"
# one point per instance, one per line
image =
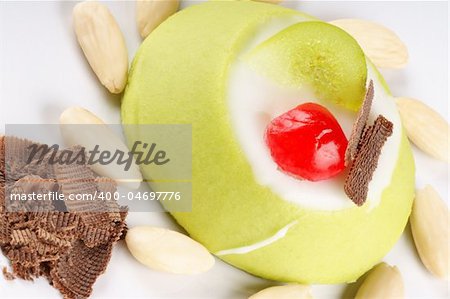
(290, 291)
(79, 126)
(382, 282)
(425, 127)
(168, 251)
(151, 13)
(430, 229)
(103, 44)
(381, 45)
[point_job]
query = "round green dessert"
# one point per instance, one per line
(228, 68)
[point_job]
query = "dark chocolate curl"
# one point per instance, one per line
(366, 160)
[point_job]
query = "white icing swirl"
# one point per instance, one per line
(246, 249)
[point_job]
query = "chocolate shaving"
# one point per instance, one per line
(2, 176)
(25, 256)
(49, 238)
(31, 184)
(92, 236)
(108, 186)
(366, 160)
(5, 230)
(70, 247)
(16, 218)
(56, 221)
(76, 272)
(75, 179)
(7, 275)
(17, 153)
(359, 125)
(25, 271)
(22, 237)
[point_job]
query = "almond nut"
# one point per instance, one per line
(98, 134)
(103, 44)
(430, 229)
(382, 282)
(381, 45)
(425, 127)
(284, 292)
(151, 13)
(168, 251)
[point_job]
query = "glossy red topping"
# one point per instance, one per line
(307, 142)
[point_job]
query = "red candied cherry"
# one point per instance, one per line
(307, 142)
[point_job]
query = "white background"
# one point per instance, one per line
(42, 72)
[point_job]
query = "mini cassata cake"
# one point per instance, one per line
(300, 168)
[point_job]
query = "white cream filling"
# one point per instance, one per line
(246, 249)
(383, 104)
(254, 100)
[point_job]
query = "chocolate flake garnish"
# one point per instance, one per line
(52, 238)
(29, 184)
(366, 160)
(76, 272)
(22, 237)
(2, 175)
(75, 179)
(4, 231)
(359, 125)
(71, 249)
(7, 275)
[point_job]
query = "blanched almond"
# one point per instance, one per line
(425, 127)
(381, 45)
(382, 282)
(151, 13)
(98, 134)
(430, 229)
(291, 291)
(103, 44)
(168, 251)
